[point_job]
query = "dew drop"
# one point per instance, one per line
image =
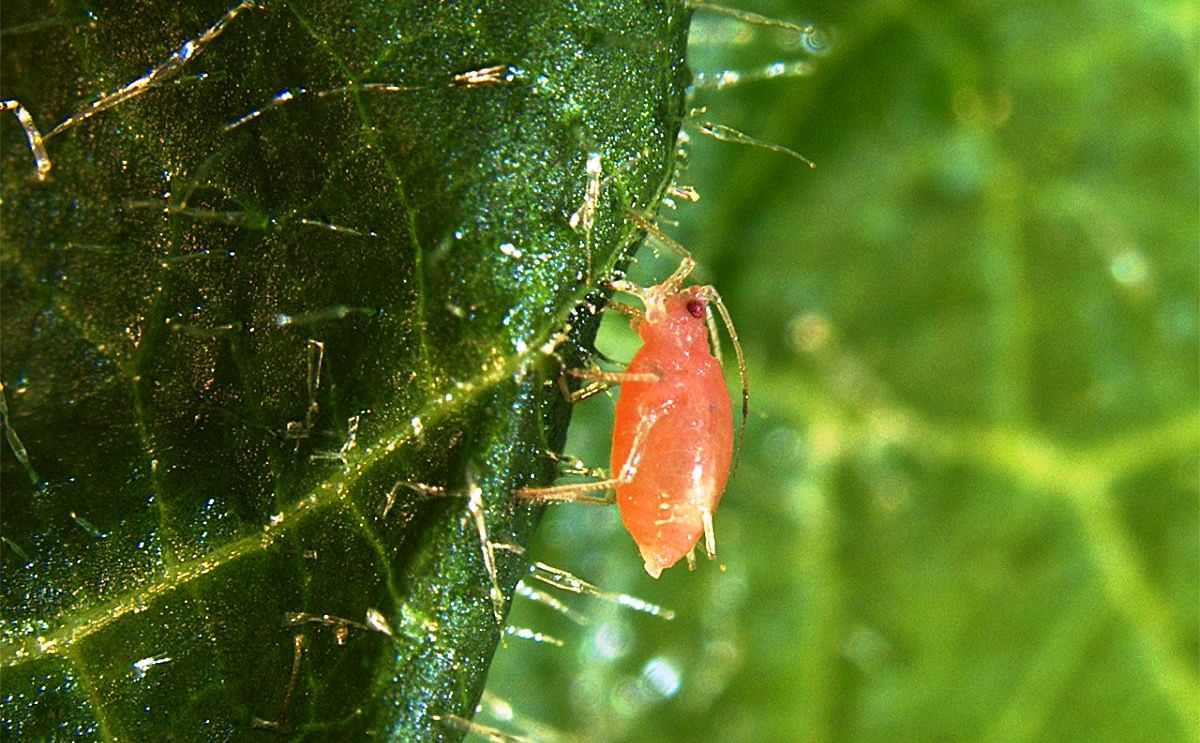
(611, 641)
(1129, 268)
(660, 678)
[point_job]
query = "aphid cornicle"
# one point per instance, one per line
(672, 442)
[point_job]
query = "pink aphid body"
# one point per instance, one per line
(672, 440)
(672, 443)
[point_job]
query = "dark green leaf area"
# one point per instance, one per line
(287, 256)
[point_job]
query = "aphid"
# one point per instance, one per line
(672, 442)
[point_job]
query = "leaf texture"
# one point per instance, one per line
(287, 256)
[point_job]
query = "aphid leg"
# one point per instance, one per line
(570, 465)
(572, 492)
(710, 536)
(629, 310)
(581, 394)
(633, 313)
(691, 559)
(37, 144)
(601, 381)
(626, 287)
(599, 375)
(714, 299)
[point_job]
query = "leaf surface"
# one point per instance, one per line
(287, 256)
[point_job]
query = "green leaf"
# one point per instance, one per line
(227, 339)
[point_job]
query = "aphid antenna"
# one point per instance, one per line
(723, 133)
(715, 300)
(687, 263)
(574, 492)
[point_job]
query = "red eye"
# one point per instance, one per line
(695, 308)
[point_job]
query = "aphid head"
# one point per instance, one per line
(690, 303)
(679, 318)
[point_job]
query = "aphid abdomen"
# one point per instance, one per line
(682, 457)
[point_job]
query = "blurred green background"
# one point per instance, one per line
(967, 508)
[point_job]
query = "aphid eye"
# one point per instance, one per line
(695, 308)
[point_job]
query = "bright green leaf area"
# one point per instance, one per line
(287, 257)
(968, 505)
